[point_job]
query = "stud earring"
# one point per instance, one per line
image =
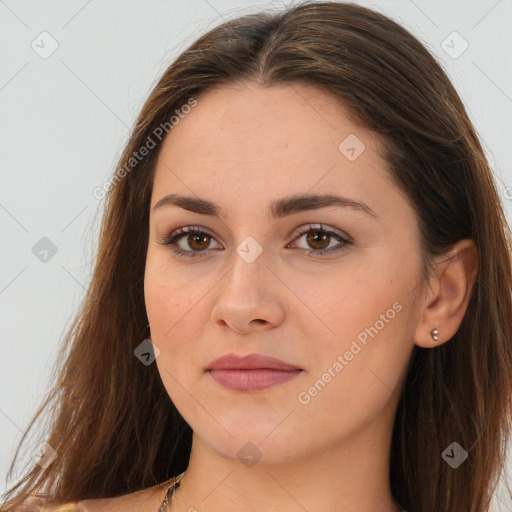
(434, 333)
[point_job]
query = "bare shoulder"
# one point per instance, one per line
(141, 501)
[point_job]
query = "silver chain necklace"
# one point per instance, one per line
(169, 495)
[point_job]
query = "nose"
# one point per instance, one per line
(249, 297)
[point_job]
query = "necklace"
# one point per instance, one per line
(169, 495)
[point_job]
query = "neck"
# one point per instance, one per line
(351, 476)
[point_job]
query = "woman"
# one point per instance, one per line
(302, 296)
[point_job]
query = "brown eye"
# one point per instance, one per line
(198, 241)
(317, 239)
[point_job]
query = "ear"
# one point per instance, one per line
(447, 297)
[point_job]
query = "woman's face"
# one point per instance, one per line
(255, 280)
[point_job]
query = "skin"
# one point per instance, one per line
(241, 147)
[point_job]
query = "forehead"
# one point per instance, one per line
(259, 120)
(243, 141)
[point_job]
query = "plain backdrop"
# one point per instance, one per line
(73, 76)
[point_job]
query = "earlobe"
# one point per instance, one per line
(450, 290)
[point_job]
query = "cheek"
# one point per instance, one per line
(176, 319)
(347, 300)
(175, 325)
(365, 318)
(359, 367)
(171, 298)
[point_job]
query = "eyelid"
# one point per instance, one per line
(182, 231)
(320, 227)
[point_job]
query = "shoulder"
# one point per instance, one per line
(147, 499)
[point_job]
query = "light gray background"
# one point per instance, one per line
(64, 120)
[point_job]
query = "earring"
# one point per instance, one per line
(434, 333)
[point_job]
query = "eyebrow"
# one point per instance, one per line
(277, 209)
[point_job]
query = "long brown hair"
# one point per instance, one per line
(111, 422)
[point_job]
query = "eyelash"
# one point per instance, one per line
(182, 231)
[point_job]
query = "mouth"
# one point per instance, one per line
(252, 379)
(251, 372)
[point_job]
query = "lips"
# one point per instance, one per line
(253, 372)
(250, 362)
